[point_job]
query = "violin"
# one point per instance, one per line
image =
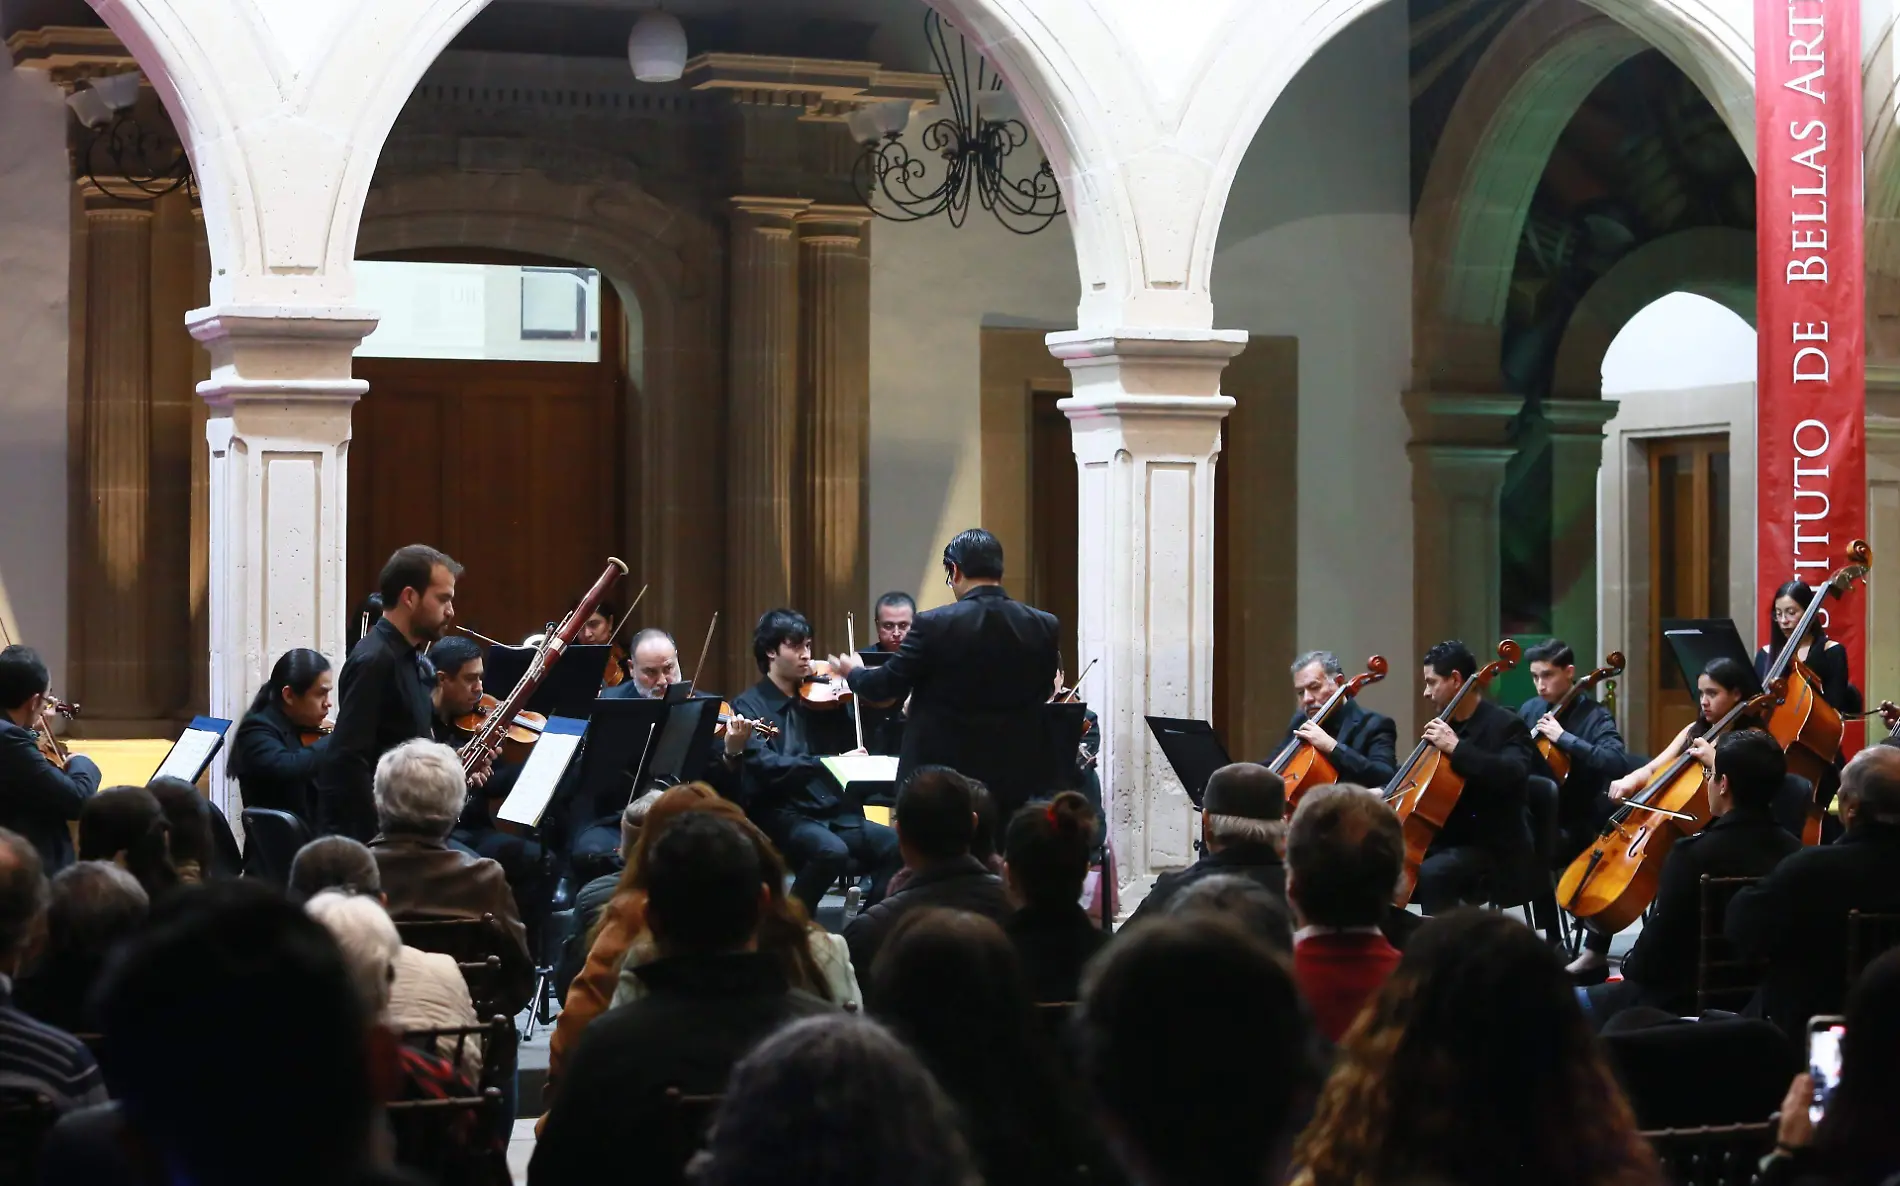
(1807, 726)
(1424, 791)
(1610, 885)
(765, 729)
(616, 673)
(1556, 759)
(310, 737)
(1301, 766)
(823, 690)
(517, 736)
(49, 745)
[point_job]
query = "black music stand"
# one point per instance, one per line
(570, 687)
(685, 744)
(621, 739)
(1697, 642)
(1062, 726)
(1192, 749)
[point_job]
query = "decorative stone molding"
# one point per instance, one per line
(70, 54)
(1146, 414)
(1574, 428)
(824, 89)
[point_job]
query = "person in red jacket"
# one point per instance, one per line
(1344, 854)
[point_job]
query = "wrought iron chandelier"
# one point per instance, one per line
(120, 157)
(980, 128)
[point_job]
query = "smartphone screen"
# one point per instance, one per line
(1824, 1061)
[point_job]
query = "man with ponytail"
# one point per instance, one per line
(1045, 861)
(273, 765)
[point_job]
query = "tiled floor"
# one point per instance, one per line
(520, 1149)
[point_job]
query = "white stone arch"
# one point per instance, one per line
(1711, 41)
(668, 261)
(1713, 262)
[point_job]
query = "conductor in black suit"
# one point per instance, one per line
(1360, 744)
(977, 672)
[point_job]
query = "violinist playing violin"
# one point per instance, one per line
(654, 667)
(1360, 744)
(384, 691)
(281, 740)
(37, 798)
(598, 630)
(790, 796)
(1489, 747)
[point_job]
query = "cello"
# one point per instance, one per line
(1807, 726)
(1556, 759)
(1610, 885)
(1424, 790)
(1300, 765)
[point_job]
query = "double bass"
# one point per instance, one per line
(1611, 883)
(1556, 759)
(1300, 765)
(1424, 791)
(1807, 726)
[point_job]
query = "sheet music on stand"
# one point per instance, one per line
(194, 749)
(547, 762)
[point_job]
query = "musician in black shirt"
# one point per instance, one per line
(1486, 834)
(384, 691)
(274, 767)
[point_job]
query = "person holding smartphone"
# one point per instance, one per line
(1837, 1122)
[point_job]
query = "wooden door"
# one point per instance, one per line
(1688, 562)
(1053, 520)
(510, 467)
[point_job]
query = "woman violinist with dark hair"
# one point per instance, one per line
(282, 737)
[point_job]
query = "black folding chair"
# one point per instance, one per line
(1723, 979)
(688, 1121)
(475, 944)
(1869, 936)
(1721, 1155)
(271, 841)
(448, 1140)
(491, 1038)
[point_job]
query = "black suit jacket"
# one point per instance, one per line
(1365, 744)
(978, 673)
(963, 883)
(702, 1015)
(382, 701)
(274, 767)
(1256, 862)
(1747, 842)
(1495, 758)
(37, 797)
(1796, 919)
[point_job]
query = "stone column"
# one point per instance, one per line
(1146, 417)
(176, 291)
(109, 626)
(199, 577)
(762, 418)
(279, 396)
(834, 390)
(1459, 449)
(1575, 428)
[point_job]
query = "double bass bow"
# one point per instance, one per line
(1556, 759)
(1300, 765)
(1424, 790)
(1612, 882)
(1806, 725)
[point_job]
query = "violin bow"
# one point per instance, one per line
(703, 648)
(626, 617)
(851, 645)
(1075, 689)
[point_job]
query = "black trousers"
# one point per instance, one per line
(819, 849)
(1454, 876)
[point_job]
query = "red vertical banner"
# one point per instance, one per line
(1811, 398)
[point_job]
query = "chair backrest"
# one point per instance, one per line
(449, 1139)
(687, 1120)
(1722, 1155)
(1723, 979)
(1541, 798)
(227, 859)
(1687, 1073)
(494, 1038)
(473, 943)
(271, 841)
(1869, 936)
(26, 1116)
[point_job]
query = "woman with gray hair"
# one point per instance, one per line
(419, 793)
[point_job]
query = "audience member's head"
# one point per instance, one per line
(1857, 1139)
(1258, 910)
(93, 905)
(368, 941)
(1749, 768)
(633, 818)
(287, 1060)
(334, 862)
(1870, 787)
(1046, 852)
(983, 840)
(22, 899)
(127, 825)
(188, 816)
(935, 816)
(1230, 989)
(705, 887)
(1345, 852)
(1244, 803)
(420, 789)
(1474, 1065)
(665, 807)
(795, 1110)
